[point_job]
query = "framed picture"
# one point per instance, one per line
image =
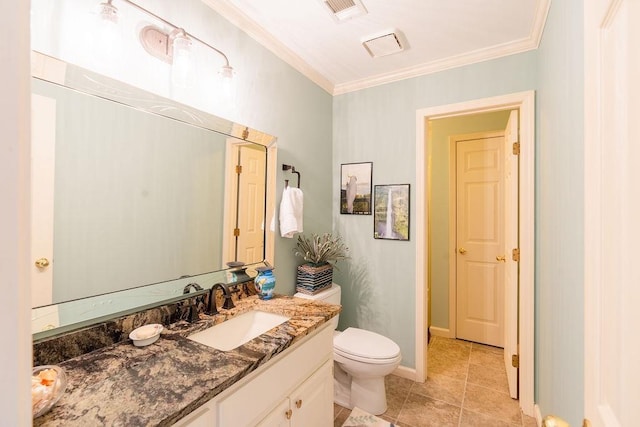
(391, 212)
(355, 188)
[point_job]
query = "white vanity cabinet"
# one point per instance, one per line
(310, 405)
(293, 389)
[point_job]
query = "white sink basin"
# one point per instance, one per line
(238, 330)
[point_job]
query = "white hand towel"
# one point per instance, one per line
(291, 212)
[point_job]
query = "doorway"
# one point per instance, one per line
(524, 103)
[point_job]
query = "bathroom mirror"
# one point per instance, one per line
(134, 196)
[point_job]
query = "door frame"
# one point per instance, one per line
(525, 103)
(453, 211)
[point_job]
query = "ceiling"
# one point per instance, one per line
(435, 35)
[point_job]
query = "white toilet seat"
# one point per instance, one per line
(366, 347)
(366, 360)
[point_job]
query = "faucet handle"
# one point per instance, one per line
(193, 313)
(228, 302)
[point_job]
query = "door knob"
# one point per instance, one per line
(462, 250)
(553, 421)
(500, 258)
(42, 263)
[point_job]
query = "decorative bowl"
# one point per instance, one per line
(48, 383)
(145, 335)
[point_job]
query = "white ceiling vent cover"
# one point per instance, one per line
(342, 10)
(384, 45)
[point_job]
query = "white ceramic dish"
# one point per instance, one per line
(145, 335)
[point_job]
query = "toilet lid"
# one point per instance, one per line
(367, 344)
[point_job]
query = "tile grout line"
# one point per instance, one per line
(405, 401)
(464, 391)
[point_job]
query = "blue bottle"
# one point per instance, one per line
(265, 282)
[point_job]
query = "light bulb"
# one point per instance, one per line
(181, 65)
(227, 84)
(107, 29)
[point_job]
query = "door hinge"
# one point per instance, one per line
(238, 169)
(236, 232)
(516, 148)
(515, 360)
(515, 254)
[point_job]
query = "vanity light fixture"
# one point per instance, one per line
(175, 48)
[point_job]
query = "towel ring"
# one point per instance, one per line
(293, 170)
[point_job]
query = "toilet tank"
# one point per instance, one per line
(330, 295)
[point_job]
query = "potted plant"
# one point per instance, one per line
(321, 253)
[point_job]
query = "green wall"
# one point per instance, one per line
(439, 250)
(560, 215)
(379, 125)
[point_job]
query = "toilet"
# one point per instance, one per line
(361, 361)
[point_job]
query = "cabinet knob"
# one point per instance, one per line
(501, 258)
(298, 403)
(289, 413)
(462, 251)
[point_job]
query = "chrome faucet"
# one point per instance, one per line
(228, 302)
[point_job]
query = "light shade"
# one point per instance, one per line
(181, 60)
(227, 84)
(107, 32)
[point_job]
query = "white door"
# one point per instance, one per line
(612, 212)
(480, 239)
(43, 143)
(511, 259)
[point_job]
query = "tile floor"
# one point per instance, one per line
(466, 386)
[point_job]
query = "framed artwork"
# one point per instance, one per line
(391, 212)
(355, 188)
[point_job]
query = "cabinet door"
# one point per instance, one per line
(312, 402)
(279, 417)
(204, 416)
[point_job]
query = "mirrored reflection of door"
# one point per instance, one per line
(43, 138)
(251, 205)
(480, 240)
(245, 224)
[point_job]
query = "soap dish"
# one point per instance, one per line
(48, 383)
(145, 335)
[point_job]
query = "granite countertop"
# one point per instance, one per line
(124, 385)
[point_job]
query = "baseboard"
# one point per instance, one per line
(404, 372)
(537, 414)
(440, 332)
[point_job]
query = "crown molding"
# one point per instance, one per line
(255, 31)
(517, 46)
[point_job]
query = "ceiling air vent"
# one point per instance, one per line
(384, 45)
(342, 10)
